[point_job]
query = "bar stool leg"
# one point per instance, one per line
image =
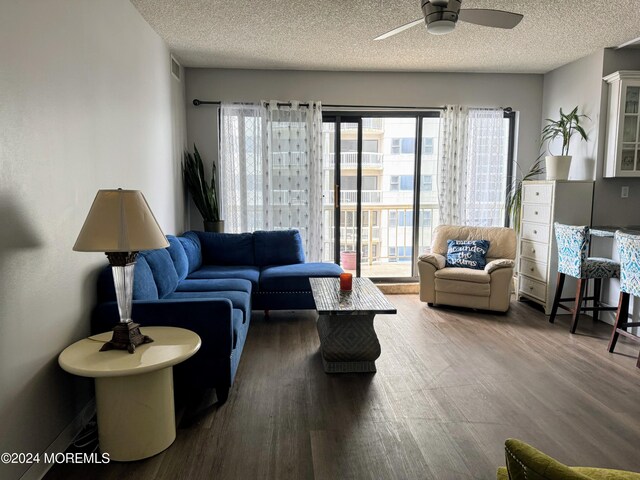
(597, 291)
(558, 296)
(582, 283)
(622, 315)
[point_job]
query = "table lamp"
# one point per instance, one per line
(120, 223)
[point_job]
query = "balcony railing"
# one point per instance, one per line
(350, 160)
(367, 124)
(349, 197)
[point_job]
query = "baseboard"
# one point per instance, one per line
(38, 470)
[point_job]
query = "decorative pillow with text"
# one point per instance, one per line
(467, 253)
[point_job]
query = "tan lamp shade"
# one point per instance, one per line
(120, 221)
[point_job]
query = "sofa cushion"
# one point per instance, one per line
(467, 253)
(211, 285)
(278, 247)
(295, 278)
(239, 300)
(164, 273)
(191, 244)
(226, 248)
(178, 256)
(144, 285)
(463, 275)
(248, 272)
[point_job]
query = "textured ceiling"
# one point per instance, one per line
(338, 34)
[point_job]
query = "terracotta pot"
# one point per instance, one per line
(217, 227)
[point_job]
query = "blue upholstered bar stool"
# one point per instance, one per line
(629, 250)
(573, 244)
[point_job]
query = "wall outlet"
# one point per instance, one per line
(625, 192)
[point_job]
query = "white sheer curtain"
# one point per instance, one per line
(453, 164)
(271, 162)
(473, 166)
(242, 156)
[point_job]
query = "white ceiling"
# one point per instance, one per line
(338, 34)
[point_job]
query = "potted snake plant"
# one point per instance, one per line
(204, 193)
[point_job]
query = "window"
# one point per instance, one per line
(401, 182)
(403, 146)
(405, 218)
(393, 218)
(406, 182)
(427, 145)
(426, 183)
(350, 182)
(351, 146)
(425, 218)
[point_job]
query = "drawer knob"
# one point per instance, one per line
(537, 194)
(535, 232)
(536, 212)
(532, 269)
(533, 250)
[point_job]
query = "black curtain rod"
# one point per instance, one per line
(197, 103)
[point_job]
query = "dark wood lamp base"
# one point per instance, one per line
(126, 336)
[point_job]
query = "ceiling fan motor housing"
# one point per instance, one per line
(440, 15)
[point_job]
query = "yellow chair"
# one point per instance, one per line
(526, 463)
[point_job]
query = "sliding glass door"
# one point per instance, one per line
(380, 190)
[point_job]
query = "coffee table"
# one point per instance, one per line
(348, 341)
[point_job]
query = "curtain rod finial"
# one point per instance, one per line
(196, 102)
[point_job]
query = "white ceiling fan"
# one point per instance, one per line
(440, 17)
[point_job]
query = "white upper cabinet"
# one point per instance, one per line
(622, 156)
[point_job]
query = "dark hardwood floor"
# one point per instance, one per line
(451, 386)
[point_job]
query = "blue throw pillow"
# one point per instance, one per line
(467, 253)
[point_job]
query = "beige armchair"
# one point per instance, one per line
(488, 289)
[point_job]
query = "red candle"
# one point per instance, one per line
(346, 281)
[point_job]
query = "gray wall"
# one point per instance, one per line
(580, 83)
(522, 92)
(86, 102)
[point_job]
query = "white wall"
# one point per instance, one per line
(521, 92)
(86, 102)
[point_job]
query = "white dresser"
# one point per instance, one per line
(543, 203)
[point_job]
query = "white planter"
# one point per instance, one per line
(557, 167)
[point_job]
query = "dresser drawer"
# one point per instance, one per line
(532, 288)
(533, 269)
(532, 212)
(535, 232)
(538, 252)
(537, 193)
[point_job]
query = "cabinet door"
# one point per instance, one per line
(629, 161)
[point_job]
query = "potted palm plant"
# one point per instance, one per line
(565, 127)
(204, 194)
(514, 192)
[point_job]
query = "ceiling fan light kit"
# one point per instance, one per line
(441, 16)
(440, 19)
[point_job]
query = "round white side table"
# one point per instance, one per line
(134, 391)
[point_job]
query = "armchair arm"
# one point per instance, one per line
(498, 264)
(435, 259)
(211, 319)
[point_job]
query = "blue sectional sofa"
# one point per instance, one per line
(209, 283)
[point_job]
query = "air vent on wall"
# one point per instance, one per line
(175, 68)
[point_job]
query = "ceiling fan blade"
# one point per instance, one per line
(395, 31)
(490, 18)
